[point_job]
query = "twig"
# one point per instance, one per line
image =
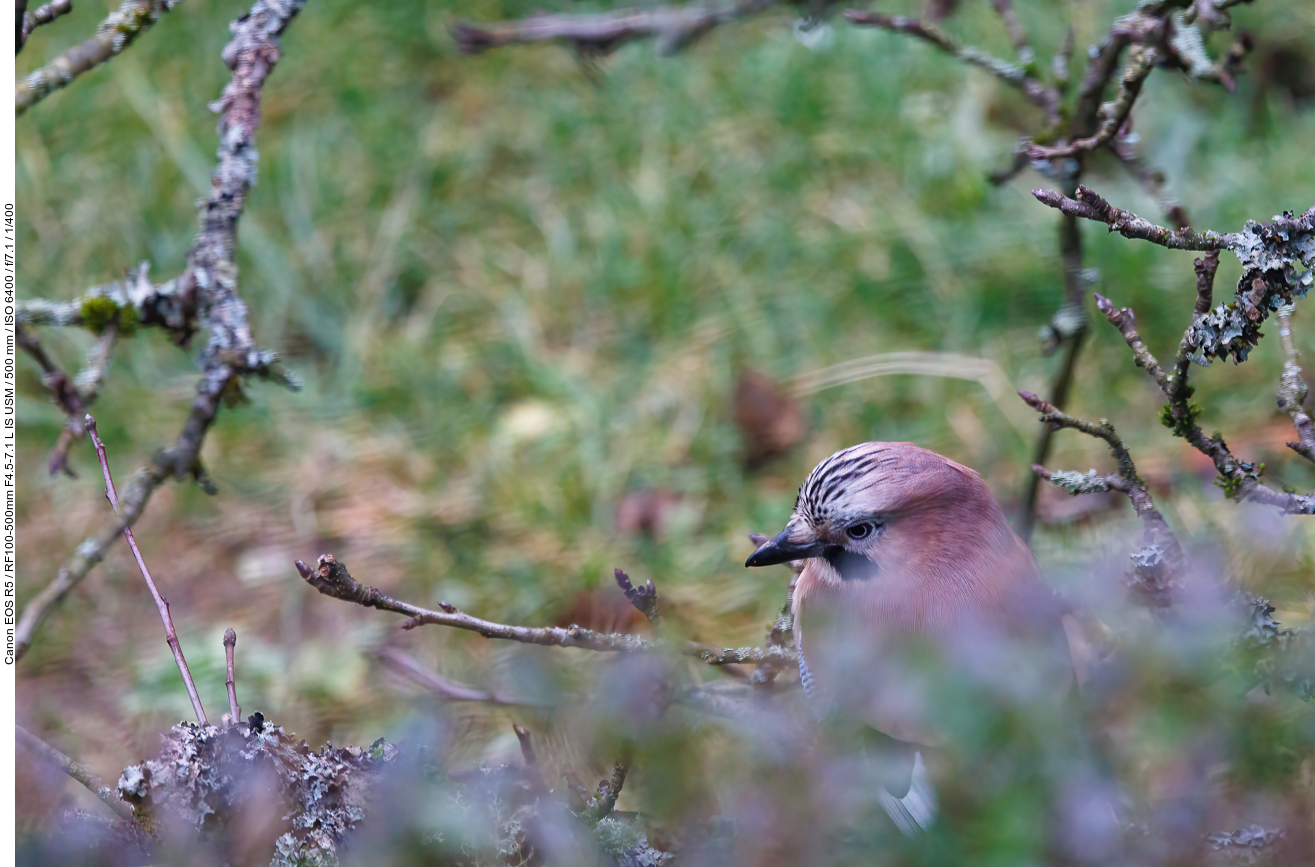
(407, 666)
(210, 281)
(161, 603)
(674, 27)
(644, 598)
(1157, 565)
(531, 760)
(43, 15)
(78, 771)
(602, 804)
(332, 579)
(1116, 113)
(230, 644)
(1124, 320)
(1089, 206)
(1239, 479)
(1292, 389)
(1016, 76)
(113, 35)
(1017, 34)
(1151, 180)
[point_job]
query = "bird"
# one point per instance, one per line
(905, 551)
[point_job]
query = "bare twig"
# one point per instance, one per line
(1292, 389)
(170, 635)
(1089, 206)
(674, 27)
(1116, 113)
(113, 35)
(208, 286)
(78, 771)
(531, 760)
(43, 15)
(332, 579)
(1038, 94)
(1157, 565)
(444, 687)
(1017, 34)
(230, 644)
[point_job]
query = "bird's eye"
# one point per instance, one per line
(860, 531)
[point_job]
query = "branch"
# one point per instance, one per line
(674, 27)
(1156, 567)
(113, 35)
(1017, 34)
(1089, 206)
(1038, 94)
(1292, 389)
(407, 666)
(43, 15)
(170, 635)
(230, 644)
(332, 579)
(78, 771)
(210, 280)
(1116, 113)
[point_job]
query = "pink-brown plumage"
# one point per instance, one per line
(908, 555)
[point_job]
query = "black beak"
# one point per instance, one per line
(781, 550)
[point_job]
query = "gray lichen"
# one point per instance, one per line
(1090, 482)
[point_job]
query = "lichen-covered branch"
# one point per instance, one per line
(113, 35)
(1157, 565)
(78, 771)
(1292, 389)
(1089, 206)
(673, 27)
(331, 578)
(208, 286)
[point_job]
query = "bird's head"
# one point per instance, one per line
(872, 501)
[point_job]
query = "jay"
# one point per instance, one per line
(907, 556)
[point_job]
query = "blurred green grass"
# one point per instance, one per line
(517, 289)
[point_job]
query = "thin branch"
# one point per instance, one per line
(1089, 206)
(78, 771)
(43, 15)
(409, 667)
(210, 281)
(1239, 479)
(1016, 76)
(332, 579)
(674, 28)
(170, 635)
(1292, 389)
(1116, 113)
(230, 644)
(113, 35)
(1017, 34)
(1157, 565)
(601, 805)
(1124, 320)
(1151, 180)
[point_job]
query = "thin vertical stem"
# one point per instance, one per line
(170, 635)
(230, 642)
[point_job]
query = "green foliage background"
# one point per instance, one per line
(517, 288)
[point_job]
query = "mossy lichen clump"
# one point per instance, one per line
(99, 312)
